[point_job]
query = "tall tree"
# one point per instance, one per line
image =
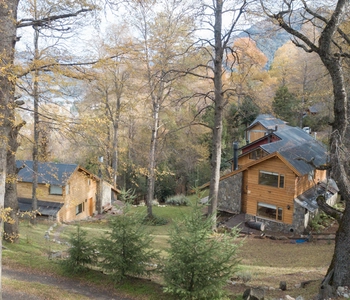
(219, 49)
(331, 45)
(8, 38)
(285, 105)
(110, 87)
(164, 38)
(45, 19)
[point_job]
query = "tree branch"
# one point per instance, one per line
(45, 21)
(327, 209)
(311, 163)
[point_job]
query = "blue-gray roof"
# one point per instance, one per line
(48, 172)
(295, 143)
(46, 208)
(268, 121)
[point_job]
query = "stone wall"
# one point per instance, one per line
(271, 225)
(230, 194)
(299, 222)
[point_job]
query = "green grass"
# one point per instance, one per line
(265, 261)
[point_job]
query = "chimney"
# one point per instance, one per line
(235, 156)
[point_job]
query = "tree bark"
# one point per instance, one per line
(331, 55)
(36, 124)
(218, 115)
(11, 230)
(8, 17)
(152, 160)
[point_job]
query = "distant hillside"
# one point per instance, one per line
(268, 38)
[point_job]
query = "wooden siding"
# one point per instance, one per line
(245, 191)
(24, 190)
(244, 159)
(304, 183)
(82, 190)
(256, 132)
(281, 197)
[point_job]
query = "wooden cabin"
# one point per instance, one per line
(274, 182)
(66, 191)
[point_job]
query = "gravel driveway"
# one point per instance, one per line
(70, 285)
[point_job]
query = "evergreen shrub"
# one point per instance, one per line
(81, 254)
(200, 262)
(126, 249)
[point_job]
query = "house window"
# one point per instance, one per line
(79, 208)
(271, 179)
(311, 175)
(89, 181)
(269, 211)
(256, 154)
(67, 189)
(55, 190)
(281, 184)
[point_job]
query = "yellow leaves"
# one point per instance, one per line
(5, 215)
(11, 178)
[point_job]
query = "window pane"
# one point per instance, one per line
(281, 181)
(280, 213)
(266, 211)
(268, 178)
(79, 208)
(55, 190)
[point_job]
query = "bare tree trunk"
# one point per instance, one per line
(11, 230)
(219, 109)
(8, 17)
(115, 153)
(331, 55)
(36, 123)
(152, 161)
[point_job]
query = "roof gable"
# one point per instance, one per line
(48, 172)
(292, 143)
(295, 143)
(267, 121)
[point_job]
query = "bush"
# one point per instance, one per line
(154, 221)
(126, 248)
(80, 254)
(199, 262)
(177, 200)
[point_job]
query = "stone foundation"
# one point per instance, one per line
(230, 194)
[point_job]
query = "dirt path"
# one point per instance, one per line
(70, 285)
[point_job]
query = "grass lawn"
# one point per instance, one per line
(264, 262)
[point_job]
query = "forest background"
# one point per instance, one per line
(95, 83)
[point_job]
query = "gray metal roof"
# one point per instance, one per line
(308, 198)
(48, 172)
(46, 208)
(268, 121)
(296, 143)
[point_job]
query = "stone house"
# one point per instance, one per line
(67, 192)
(272, 180)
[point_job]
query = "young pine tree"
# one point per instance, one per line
(81, 253)
(200, 262)
(126, 248)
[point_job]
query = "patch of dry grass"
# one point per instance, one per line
(269, 262)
